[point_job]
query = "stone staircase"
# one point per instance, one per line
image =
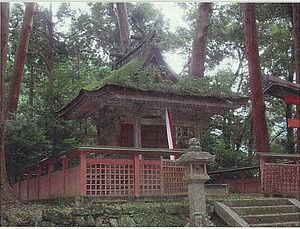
(267, 212)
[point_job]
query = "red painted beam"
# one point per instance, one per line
(294, 123)
(292, 99)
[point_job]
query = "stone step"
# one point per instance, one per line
(258, 210)
(272, 218)
(282, 224)
(257, 202)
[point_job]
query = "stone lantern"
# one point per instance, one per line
(195, 176)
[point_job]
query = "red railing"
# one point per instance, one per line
(280, 173)
(99, 171)
(240, 180)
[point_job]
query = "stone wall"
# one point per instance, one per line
(98, 212)
(120, 215)
(128, 214)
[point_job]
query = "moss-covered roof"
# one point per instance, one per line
(122, 76)
(136, 75)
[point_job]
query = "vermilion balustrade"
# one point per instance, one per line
(280, 174)
(98, 171)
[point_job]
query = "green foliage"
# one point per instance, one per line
(25, 143)
(80, 58)
(226, 157)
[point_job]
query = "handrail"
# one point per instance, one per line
(278, 156)
(106, 149)
(234, 170)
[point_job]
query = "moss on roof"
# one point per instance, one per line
(121, 76)
(133, 75)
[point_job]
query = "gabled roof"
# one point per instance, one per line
(135, 61)
(122, 88)
(89, 102)
(280, 88)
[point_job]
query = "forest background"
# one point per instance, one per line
(60, 63)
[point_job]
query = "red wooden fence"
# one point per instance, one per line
(280, 174)
(241, 180)
(99, 171)
(96, 171)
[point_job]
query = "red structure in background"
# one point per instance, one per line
(292, 99)
(277, 174)
(288, 91)
(240, 180)
(280, 173)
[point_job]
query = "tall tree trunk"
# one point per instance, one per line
(200, 39)
(19, 62)
(50, 37)
(258, 104)
(123, 25)
(31, 92)
(251, 137)
(296, 22)
(7, 194)
(290, 143)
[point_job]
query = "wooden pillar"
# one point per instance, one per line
(262, 167)
(297, 162)
(50, 169)
(118, 132)
(83, 173)
(222, 178)
(39, 172)
(243, 176)
(197, 130)
(162, 191)
(137, 132)
(27, 182)
(136, 174)
(20, 180)
(64, 166)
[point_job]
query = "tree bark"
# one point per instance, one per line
(7, 194)
(200, 39)
(123, 25)
(19, 62)
(258, 104)
(296, 22)
(290, 143)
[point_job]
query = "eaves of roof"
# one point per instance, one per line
(280, 88)
(133, 94)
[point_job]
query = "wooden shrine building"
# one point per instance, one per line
(135, 117)
(131, 157)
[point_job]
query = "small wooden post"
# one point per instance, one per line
(39, 172)
(64, 166)
(262, 167)
(137, 133)
(27, 182)
(20, 180)
(162, 191)
(222, 178)
(243, 176)
(136, 174)
(85, 132)
(50, 169)
(83, 173)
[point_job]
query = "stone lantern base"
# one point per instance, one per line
(201, 219)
